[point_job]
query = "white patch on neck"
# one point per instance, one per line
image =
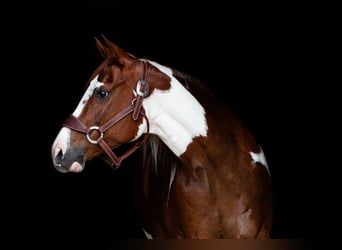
(88, 93)
(174, 114)
(260, 157)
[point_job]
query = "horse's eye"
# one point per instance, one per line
(101, 94)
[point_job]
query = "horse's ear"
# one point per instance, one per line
(104, 50)
(110, 49)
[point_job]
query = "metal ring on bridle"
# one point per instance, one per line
(140, 85)
(91, 129)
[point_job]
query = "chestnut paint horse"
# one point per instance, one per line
(202, 173)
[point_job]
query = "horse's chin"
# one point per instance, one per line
(75, 167)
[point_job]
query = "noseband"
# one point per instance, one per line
(136, 108)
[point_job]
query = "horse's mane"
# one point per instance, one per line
(191, 83)
(157, 156)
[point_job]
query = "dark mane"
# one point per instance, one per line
(189, 82)
(158, 155)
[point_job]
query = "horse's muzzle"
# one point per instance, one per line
(69, 161)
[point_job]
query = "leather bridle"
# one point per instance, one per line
(136, 108)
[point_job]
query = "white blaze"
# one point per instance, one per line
(62, 141)
(89, 93)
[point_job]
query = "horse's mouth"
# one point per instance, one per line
(75, 167)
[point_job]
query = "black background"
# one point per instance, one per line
(260, 59)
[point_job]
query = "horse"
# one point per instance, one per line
(202, 174)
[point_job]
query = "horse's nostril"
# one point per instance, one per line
(59, 156)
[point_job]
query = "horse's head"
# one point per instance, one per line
(109, 114)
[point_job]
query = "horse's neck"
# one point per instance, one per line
(182, 122)
(175, 116)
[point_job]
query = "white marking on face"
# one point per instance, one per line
(62, 141)
(88, 93)
(175, 115)
(260, 157)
